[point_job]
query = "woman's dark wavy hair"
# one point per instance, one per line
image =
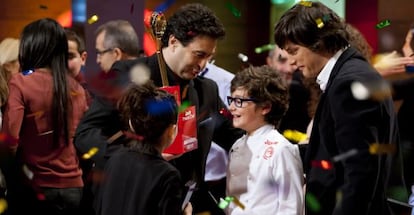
(43, 44)
(190, 21)
(299, 25)
(266, 86)
(150, 109)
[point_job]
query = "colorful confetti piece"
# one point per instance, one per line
(28, 72)
(345, 155)
(378, 149)
(237, 202)
(264, 48)
(383, 24)
(29, 174)
(90, 153)
(184, 106)
(294, 135)
(306, 3)
(312, 202)
(319, 23)
(233, 9)
(93, 19)
(323, 164)
(3, 205)
(36, 114)
(374, 90)
(223, 204)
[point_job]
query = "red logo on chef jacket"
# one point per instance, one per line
(268, 142)
(268, 153)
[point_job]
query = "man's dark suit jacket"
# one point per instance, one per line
(343, 123)
(95, 127)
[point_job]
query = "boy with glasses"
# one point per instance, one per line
(265, 170)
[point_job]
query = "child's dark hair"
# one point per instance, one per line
(147, 111)
(266, 86)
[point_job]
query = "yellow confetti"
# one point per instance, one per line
(74, 93)
(36, 114)
(306, 3)
(93, 19)
(319, 23)
(3, 205)
(237, 202)
(90, 153)
(377, 148)
(294, 135)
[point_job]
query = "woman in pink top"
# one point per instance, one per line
(43, 109)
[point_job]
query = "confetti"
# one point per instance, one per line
(237, 202)
(312, 202)
(306, 3)
(319, 23)
(41, 196)
(90, 153)
(294, 135)
(29, 174)
(159, 107)
(223, 204)
(345, 155)
(378, 90)
(326, 18)
(93, 19)
(3, 205)
(378, 149)
(264, 48)
(383, 24)
(398, 193)
(139, 74)
(226, 113)
(324, 164)
(28, 72)
(243, 57)
(184, 106)
(233, 10)
(36, 114)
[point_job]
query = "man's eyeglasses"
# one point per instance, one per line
(238, 102)
(100, 53)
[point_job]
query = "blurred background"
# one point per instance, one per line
(249, 23)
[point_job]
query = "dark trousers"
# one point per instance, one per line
(45, 201)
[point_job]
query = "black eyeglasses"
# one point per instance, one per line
(238, 102)
(100, 53)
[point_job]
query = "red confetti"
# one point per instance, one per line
(324, 164)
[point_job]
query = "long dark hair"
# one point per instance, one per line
(44, 45)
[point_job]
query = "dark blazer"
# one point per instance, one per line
(140, 181)
(343, 123)
(95, 127)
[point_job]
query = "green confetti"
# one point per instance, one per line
(224, 203)
(233, 10)
(264, 48)
(183, 106)
(312, 202)
(398, 193)
(383, 24)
